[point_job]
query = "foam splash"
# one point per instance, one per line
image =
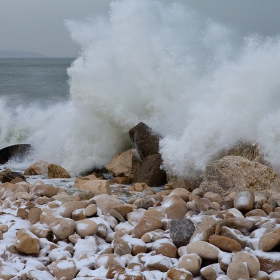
(192, 80)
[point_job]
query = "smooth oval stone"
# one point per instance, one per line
(226, 244)
(204, 249)
(244, 200)
(145, 225)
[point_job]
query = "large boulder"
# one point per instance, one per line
(125, 164)
(56, 171)
(151, 172)
(145, 140)
(146, 143)
(37, 168)
(17, 152)
(235, 173)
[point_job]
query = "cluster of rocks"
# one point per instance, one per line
(172, 234)
(226, 226)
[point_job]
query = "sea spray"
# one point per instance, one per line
(192, 80)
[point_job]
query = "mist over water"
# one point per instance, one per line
(191, 79)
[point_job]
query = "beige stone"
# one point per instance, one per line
(178, 274)
(176, 206)
(62, 228)
(204, 229)
(81, 180)
(39, 275)
(24, 195)
(214, 197)
(45, 190)
(251, 261)
(56, 171)
(97, 186)
(165, 247)
(234, 234)
(203, 249)
(135, 216)
(235, 173)
(125, 164)
(244, 200)
(224, 243)
(65, 269)
(145, 225)
(160, 263)
(86, 227)
(27, 242)
(67, 208)
(237, 270)
(90, 210)
(270, 240)
(105, 202)
(37, 168)
(190, 262)
(34, 215)
(109, 261)
(40, 230)
(78, 214)
(22, 213)
(212, 272)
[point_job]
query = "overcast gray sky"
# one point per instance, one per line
(38, 25)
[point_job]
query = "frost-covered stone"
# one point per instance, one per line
(190, 262)
(244, 200)
(65, 269)
(62, 227)
(86, 227)
(27, 242)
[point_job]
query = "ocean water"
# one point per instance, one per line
(195, 81)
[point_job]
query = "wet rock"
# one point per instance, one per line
(67, 208)
(125, 164)
(56, 171)
(145, 140)
(151, 172)
(181, 231)
(18, 152)
(10, 176)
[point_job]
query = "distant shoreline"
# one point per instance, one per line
(20, 54)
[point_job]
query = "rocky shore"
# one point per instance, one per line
(225, 225)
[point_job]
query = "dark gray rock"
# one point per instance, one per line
(151, 172)
(17, 152)
(145, 140)
(181, 231)
(8, 177)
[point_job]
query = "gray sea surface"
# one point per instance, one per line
(34, 81)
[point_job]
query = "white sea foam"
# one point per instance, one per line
(191, 80)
